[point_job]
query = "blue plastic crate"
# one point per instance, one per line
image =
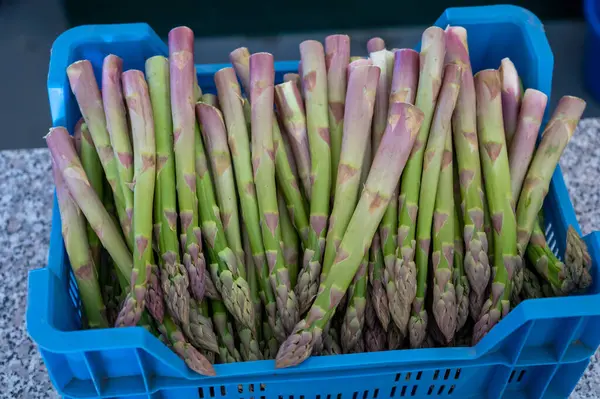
(540, 350)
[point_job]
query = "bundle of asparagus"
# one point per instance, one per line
(343, 210)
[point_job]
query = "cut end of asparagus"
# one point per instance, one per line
(375, 44)
(181, 39)
(405, 76)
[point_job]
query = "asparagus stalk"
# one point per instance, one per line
(431, 63)
(215, 136)
(210, 99)
(192, 357)
(290, 241)
(337, 57)
(225, 267)
(459, 278)
(116, 124)
(386, 170)
(144, 146)
(200, 329)
(522, 145)
(227, 350)
(291, 110)
(444, 305)
(494, 160)
(86, 91)
(464, 128)
(383, 59)
(362, 86)
(270, 343)
(262, 75)
(375, 44)
(400, 277)
(252, 277)
(93, 170)
(556, 135)
(532, 288)
(331, 344)
(354, 319)
(229, 97)
(511, 97)
(578, 260)
(295, 78)
(378, 277)
(174, 276)
(82, 263)
(314, 78)
(433, 160)
(182, 85)
(374, 336)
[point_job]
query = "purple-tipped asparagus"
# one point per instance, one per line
(512, 93)
(375, 44)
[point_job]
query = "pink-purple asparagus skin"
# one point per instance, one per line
(240, 58)
(337, 57)
(116, 124)
(399, 277)
(375, 44)
(85, 88)
(511, 97)
(262, 76)
(183, 82)
(294, 78)
(293, 118)
(522, 145)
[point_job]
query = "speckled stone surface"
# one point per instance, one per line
(25, 212)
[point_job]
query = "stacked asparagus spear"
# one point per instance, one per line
(341, 211)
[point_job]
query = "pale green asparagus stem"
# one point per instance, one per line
(262, 75)
(459, 278)
(511, 97)
(557, 134)
(444, 306)
(360, 102)
(433, 160)
(337, 57)
(183, 84)
(386, 170)
(116, 124)
(227, 349)
(290, 240)
(210, 99)
(231, 104)
(174, 276)
(494, 159)
(430, 80)
(314, 78)
(472, 204)
(252, 278)
(82, 264)
(137, 98)
(86, 91)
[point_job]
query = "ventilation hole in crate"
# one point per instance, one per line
(251, 388)
(201, 393)
(413, 392)
(441, 390)
(548, 229)
(512, 375)
(223, 390)
(263, 386)
(211, 390)
(393, 392)
(403, 391)
(263, 397)
(550, 236)
(328, 396)
(339, 396)
(355, 395)
(251, 397)
(430, 390)
(447, 374)
(436, 374)
(397, 377)
(457, 374)
(301, 396)
(366, 394)
(375, 393)
(521, 375)
(419, 374)
(280, 397)
(291, 397)
(408, 375)
(318, 397)
(451, 389)
(240, 388)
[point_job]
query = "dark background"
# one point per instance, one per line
(29, 27)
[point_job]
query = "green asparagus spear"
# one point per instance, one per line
(378, 278)
(314, 78)
(400, 277)
(252, 278)
(290, 241)
(459, 278)
(433, 159)
(174, 276)
(210, 99)
(532, 288)
(227, 350)
(464, 133)
(200, 329)
(444, 306)
(494, 159)
(82, 263)
(230, 99)
(512, 94)
(337, 57)
(144, 145)
(262, 75)
(557, 134)
(182, 86)
(86, 91)
(374, 336)
(386, 170)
